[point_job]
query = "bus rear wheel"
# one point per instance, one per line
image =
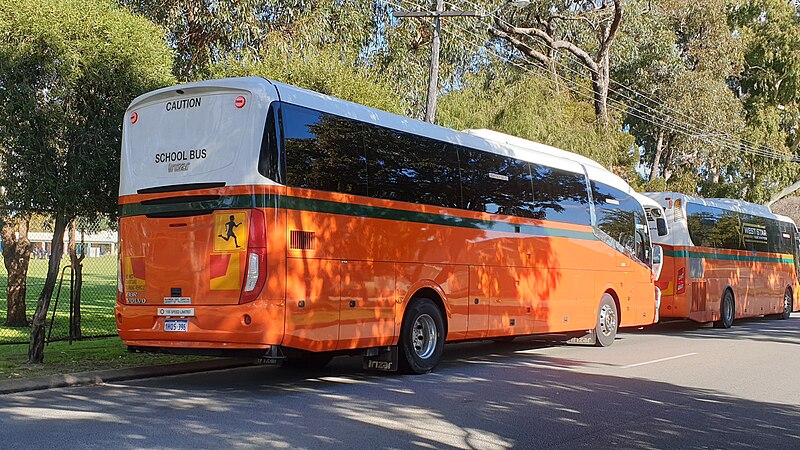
(727, 310)
(421, 337)
(607, 321)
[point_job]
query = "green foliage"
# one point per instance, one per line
(770, 30)
(530, 108)
(68, 69)
(202, 31)
(322, 72)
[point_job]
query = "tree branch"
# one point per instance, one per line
(576, 18)
(521, 46)
(605, 45)
(585, 57)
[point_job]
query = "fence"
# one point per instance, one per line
(98, 242)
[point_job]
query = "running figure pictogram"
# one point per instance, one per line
(229, 226)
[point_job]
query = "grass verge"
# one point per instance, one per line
(82, 356)
(98, 296)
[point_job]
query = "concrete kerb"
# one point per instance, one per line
(105, 376)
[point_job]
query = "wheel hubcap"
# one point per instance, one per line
(423, 336)
(608, 320)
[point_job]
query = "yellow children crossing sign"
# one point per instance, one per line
(230, 231)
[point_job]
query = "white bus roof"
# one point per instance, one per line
(262, 92)
(788, 219)
(722, 203)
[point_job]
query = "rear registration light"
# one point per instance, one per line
(256, 272)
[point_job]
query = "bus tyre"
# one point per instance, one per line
(607, 321)
(309, 360)
(421, 337)
(788, 303)
(727, 311)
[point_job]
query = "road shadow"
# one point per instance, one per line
(764, 329)
(480, 397)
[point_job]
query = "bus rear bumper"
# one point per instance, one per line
(190, 348)
(251, 326)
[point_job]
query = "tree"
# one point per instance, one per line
(541, 30)
(203, 31)
(16, 256)
(68, 69)
(529, 107)
(689, 123)
(769, 88)
(321, 71)
(76, 261)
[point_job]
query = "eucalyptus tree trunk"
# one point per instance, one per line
(39, 326)
(16, 256)
(657, 157)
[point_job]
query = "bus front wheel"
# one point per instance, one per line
(727, 310)
(788, 303)
(607, 321)
(421, 337)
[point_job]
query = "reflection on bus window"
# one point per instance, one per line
(323, 151)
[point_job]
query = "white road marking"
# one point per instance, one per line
(658, 360)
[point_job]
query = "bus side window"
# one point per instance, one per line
(269, 160)
(560, 195)
(323, 151)
(410, 168)
(495, 184)
(615, 216)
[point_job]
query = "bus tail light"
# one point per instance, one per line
(256, 272)
(680, 286)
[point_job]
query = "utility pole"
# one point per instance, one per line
(433, 78)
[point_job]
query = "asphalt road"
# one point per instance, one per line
(675, 385)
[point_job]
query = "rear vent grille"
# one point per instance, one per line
(698, 296)
(301, 240)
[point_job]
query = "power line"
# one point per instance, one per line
(715, 134)
(668, 123)
(433, 78)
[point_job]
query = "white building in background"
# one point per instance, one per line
(95, 244)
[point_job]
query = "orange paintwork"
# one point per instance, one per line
(523, 284)
(758, 287)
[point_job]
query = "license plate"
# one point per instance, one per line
(176, 325)
(177, 300)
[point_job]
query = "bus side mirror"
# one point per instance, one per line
(661, 226)
(658, 261)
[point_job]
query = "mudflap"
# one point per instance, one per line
(583, 338)
(383, 359)
(273, 356)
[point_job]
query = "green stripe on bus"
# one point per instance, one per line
(727, 257)
(349, 209)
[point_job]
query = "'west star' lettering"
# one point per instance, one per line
(184, 103)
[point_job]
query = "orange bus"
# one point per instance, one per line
(726, 259)
(261, 219)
